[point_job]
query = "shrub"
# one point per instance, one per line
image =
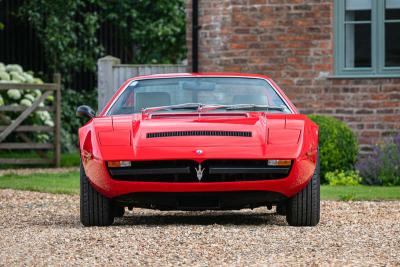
(70, 123)
(343, 178)
(338, 145)
(70, 100)
(151, 31)
(383, 165)
(14, 73)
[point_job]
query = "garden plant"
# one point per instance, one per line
(13, 73)
(338, 146)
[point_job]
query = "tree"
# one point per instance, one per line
(153, 31)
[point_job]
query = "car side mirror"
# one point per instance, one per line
(85, 112)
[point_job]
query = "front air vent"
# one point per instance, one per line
(199, 133)
(186, 171)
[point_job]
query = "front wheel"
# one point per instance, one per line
(95, 209)
(304, 208)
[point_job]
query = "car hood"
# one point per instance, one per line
(254, 131)
(201, 131)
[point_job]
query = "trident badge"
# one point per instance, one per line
(199, 172)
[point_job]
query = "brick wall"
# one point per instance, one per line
(292, 42)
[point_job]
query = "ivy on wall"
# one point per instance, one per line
(153, 31)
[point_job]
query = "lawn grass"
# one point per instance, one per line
(68, 183)
(61, 183)
(360, 192)
(67, 159)
(70, 159)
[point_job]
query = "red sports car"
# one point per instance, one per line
(199, 141)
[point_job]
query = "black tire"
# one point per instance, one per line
(281, 209)
(304, 208)
(95, 209)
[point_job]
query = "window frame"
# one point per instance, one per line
(378, 67)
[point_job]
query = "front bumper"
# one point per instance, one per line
(301, 172)
(200, 200)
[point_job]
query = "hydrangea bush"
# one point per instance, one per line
(14, 73)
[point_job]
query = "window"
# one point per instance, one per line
(208, 91)
(367, 37)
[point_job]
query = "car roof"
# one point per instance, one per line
(200, 74)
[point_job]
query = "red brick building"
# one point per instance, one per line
(336, 57)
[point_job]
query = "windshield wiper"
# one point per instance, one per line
(189, 106)
(254, 107)
(204, 108)
(251, 107)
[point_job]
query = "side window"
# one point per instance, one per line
(392, 33)
(367, 37)
(357, 36)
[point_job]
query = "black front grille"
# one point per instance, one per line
(184, 171)
(199, 133)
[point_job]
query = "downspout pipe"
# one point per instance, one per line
(195, 35)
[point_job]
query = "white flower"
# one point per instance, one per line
(37, 92)
(28, 78)
(49, 123)
(43, 137)
(37, 81)
(29, 97)
(14, 67)
(4, 76)
(15, 76)
(14, 94)
(43, 115)
(25, 102)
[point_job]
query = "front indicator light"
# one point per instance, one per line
(279, 162)
(118, 164)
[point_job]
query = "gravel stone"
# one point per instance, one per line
(44, 229)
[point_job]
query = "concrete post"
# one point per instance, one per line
(105, 79)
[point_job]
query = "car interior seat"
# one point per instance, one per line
(250, 99)
(151, 99)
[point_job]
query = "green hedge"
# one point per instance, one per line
(338, 145)
(70, 123)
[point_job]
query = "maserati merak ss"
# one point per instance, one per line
(201, 141)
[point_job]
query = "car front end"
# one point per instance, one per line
(198, 156)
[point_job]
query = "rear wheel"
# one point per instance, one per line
(95, 209)
(304, 208)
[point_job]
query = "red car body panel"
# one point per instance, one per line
(274, 136)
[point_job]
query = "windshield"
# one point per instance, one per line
(226, 91)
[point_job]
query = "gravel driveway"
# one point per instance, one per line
(44, 229)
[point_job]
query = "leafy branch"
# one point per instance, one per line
(149, 31)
